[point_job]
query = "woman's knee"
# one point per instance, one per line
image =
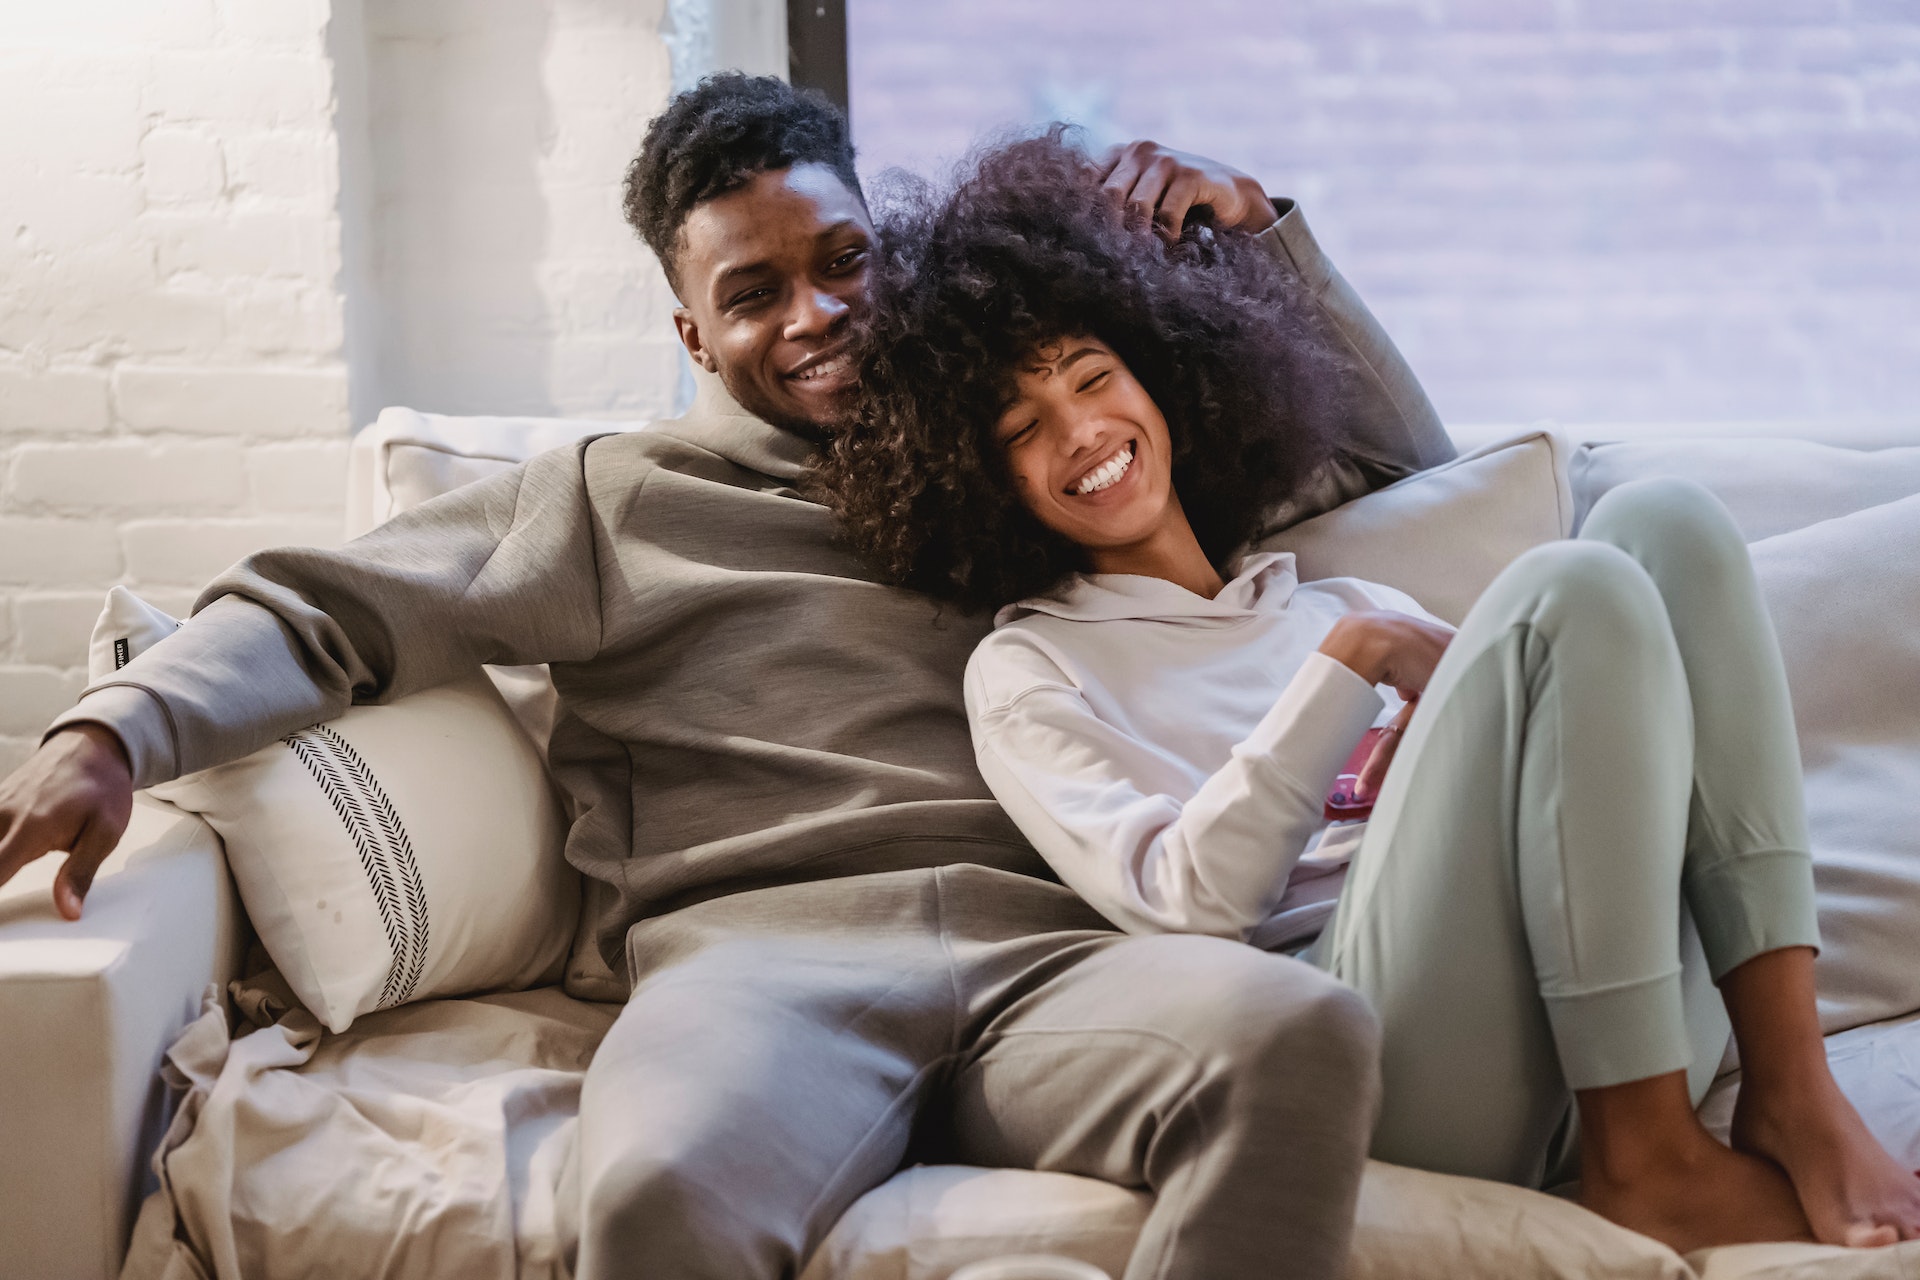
(1666, 522)
(1590, 590)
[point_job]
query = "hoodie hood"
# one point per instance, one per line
(1106, 597)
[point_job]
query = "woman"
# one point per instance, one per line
(1073, 421)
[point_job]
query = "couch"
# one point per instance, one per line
(111, 1023)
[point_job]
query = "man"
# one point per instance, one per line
(838, 945)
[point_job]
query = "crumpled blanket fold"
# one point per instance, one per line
(432, 1139)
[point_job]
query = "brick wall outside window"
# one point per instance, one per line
(1590, 210)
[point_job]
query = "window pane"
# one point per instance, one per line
(1638, 211)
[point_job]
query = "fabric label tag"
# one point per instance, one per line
(121, 653)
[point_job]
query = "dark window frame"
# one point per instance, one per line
(817, 47)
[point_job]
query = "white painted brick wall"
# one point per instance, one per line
(506, 279)
(178, 180)
(172, 393)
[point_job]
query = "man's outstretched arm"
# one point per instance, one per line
(503, 571)
(1387, 429)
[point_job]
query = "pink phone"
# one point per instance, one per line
(1342, 806)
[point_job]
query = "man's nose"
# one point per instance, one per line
(816, 312)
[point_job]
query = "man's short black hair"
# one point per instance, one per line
(715, 138)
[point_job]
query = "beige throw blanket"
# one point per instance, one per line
(429, 1140)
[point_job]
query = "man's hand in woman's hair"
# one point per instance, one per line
(1166, 185)
(1384, 647)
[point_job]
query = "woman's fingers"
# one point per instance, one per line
(1374, 772)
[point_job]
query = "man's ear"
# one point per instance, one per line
(690, 336)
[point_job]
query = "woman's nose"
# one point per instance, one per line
(1080, 431)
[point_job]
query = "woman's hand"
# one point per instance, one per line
(1383, 647)
(1374, 771)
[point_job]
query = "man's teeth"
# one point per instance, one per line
(1105, 475)
(826, 368)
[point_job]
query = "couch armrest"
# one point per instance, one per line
(86, 1011)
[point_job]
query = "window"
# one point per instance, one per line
(1594, 213)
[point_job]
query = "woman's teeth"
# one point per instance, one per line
(825, 369)
(1107, 474)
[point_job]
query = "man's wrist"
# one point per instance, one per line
(103, 740)
(1262, 211)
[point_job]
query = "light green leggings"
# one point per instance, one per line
(1603, 762)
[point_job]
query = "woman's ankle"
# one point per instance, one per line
(1629, 1131)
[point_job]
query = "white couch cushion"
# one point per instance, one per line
(1770, 486)
(87, 1007)
(1844, 596)
(396, 853)
(407, 457)
(1411, 1225)
(1441, 536)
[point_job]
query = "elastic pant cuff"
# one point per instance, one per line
(1621, 1033)
(1752, 903)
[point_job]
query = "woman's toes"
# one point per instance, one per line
(1868, 1235)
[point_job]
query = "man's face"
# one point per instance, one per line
(771, 276)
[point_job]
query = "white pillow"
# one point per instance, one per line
(1845, 600)
(397, 853)
(1443, 535)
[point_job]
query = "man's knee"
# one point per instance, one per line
(1258, 1011)
(1323, 1018)
(653, 1213)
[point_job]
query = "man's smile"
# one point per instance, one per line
(827, 366)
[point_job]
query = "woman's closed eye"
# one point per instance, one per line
(1093, 381)
(1013, 437)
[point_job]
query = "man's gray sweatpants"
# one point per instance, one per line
(1603, 763)
(787, 1049)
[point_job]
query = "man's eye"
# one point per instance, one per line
(750, 297)
(851, 258)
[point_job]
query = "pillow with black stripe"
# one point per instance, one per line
(397, 853)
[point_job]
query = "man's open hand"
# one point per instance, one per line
(1165, 185)
(75, 793)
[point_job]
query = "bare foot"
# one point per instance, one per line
(1853, 1192)
(1708, 1196)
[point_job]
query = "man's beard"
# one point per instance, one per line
(805, 428)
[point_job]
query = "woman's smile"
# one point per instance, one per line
(1106, 476)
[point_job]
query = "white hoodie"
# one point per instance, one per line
(1170, 755)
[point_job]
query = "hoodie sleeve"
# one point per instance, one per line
(1215, 862)
(501, 571)
(1388, 428)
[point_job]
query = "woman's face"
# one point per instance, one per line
(1087, 447)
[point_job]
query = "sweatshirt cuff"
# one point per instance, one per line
(1311, 730)
(138, 718)
(1291, 241)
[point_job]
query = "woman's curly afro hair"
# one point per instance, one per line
(1025, 250)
